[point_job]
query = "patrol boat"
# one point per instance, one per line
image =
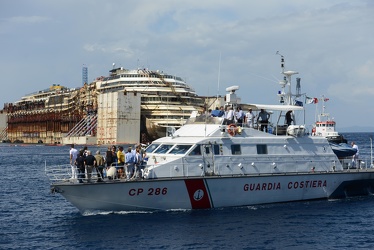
(210, 163)
(325, 126)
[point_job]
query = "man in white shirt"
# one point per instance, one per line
(355, 156)
(250, 118)
(73, 157)
(239, 116)
(229, 115)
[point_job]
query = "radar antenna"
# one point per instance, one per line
(285, 98)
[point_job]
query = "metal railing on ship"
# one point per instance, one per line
(364, 163)
(63, 173)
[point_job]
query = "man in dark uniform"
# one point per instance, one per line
(79, 162)
(90, 162)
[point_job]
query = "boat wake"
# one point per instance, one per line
(94, 213)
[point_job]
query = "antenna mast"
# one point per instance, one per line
(285, 97)
(219, 73)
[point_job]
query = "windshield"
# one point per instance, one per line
(180, 149)
(151, 148)
(163, 149)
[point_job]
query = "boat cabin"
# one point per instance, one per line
(207, 146)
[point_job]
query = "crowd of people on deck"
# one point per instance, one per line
(114, 164)
(247, 119)
(240, 118)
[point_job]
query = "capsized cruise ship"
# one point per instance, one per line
(50, 115)
(166, 100)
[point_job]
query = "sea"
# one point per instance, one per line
(31, 217)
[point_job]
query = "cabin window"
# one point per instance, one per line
(151, 148)
(235, 149)
(196, 151)
(180, 149)
(262, 149)
(216, 149)
(163, 149)
(207, 150)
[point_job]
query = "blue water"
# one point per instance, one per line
(33, 218)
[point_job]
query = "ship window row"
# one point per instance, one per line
(236, 149)
(139, 83)
(160, 99)
(116, 83)
(147, 83)
(325, 125)
(181, 116)
(155, 76)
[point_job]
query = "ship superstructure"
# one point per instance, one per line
(166, 100)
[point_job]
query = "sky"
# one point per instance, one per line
(212, 44)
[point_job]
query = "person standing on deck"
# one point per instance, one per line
(250, 118)
(99, 166)
(129, 163)
(355, 156)
(73, 157)
(90, 162)
(264, 116)
(79, 162)
(138, 162)
(109, 157)
(239, 116)
(121, 162)
(288, 119)
(229, 115)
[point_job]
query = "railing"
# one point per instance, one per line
(58, 172)
(63, 173)
(363, 163)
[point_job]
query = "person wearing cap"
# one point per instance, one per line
(249, 118)
(99, 166)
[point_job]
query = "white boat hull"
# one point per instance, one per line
(215, 192)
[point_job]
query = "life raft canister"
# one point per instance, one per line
(232, 129)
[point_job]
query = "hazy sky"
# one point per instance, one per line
(330, 43)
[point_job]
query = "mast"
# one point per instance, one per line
(323, 114)
(285, 94)
(286, 97)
